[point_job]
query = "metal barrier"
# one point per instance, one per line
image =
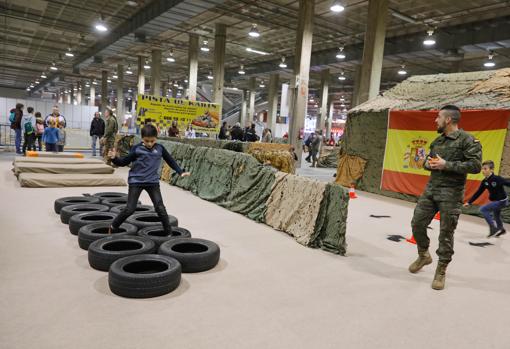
(7, 138)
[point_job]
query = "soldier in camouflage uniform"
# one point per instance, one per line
(111, 129)
(453, 155)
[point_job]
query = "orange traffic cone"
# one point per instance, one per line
(411, 240)
(352, 192)
(437, 216)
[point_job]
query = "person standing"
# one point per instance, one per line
(17, 115)
(453, 155)
(61, 138)
(267, 137)
(28, 127)
(97, 127)
(39, 130)
(56, 117)
(497, 195)
(237, 134)
(190, 132)
(315, 147)
(223, 131)
(50, 137)
(250, 134)
(111, 130)
(173, 131)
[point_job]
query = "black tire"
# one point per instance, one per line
(159, 236)
(116, 202)
(195, 255)
(79, 220)
(68, 211)
(105, 251)
(109, 195)
(95, 231)
(144, 276)
(73, 200)
(149, 219)
(139, 208)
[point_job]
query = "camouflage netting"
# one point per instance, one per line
(124, 143)
(329, 157)
(366, 128)
(238, 182)
(281, 160)
(268, 146)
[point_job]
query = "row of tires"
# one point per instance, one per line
(142, 259)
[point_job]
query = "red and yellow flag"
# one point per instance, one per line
(408, 143)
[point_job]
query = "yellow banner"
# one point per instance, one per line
(161, 111)
(406, 150)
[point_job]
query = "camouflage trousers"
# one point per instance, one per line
(425, 210)
(109, 144)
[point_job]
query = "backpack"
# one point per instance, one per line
(29, 128)
(39, 128)
(12, 116)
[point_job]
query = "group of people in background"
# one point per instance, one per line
(249, 134)
(103, 132)
(36, 131)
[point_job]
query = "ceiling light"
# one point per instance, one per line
(146, 65)
(180, 87)
(171, 58)
(101, 26)
(130, 90)
(336, 6)
(429, 40)
(32, 85)
(282, 63)
(342, 76)
(28, 88)
(37, 82)
(235, 88)
(262, 85)
(108, 80)
(175, 84)
(342, 99)
(186, 81)
(94, 82)
(205, 46)
(115, 77)
(254, 32)
(340, 54)
(87, 84)
(241, 70)
(53, 66)
(256, 51)
(490, 63)
(129, 71)
(402, 70)
(132, 3)
(69, 53)
(43, 75)
(210, 77)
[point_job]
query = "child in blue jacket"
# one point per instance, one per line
(50, 137)
(143, 175)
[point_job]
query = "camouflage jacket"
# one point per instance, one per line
(463, 155)
(111, 127)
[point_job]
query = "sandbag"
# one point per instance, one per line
(27, 167)
(46, 180)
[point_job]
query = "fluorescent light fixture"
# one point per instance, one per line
(101, 26)
(210, 77)
(175, 84)
(342, 76)
(108, 80)
(32, 85)
(28, 88)
(130, 90)
(37, 82)
(337, 7)
(402, 70)
(340, 54)
(43, 75)
(147, 65)
(53, 66)
(171, 58)
(262, 85)
(235, 88)
(257, 51)
(115, 77)
(254, 32)
(87, 84)
(186, 81)
(241, 70)
(429, 40)
(282, 63)
(205, 46)
(490, 63)
(94, 82)
(132, 3)
(69, 53)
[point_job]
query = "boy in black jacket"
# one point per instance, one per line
(146, 160)
(497, 195)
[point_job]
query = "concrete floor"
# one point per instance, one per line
(267, 291)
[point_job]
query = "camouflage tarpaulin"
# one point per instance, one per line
(123, 143)
(281, 160)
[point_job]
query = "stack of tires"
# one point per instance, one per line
(142, 259)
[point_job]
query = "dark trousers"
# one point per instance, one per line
(38, 138)
(133, 196)
(60, 148)
(17, 140)
(51, 147)
(29, 142)
(495, 207)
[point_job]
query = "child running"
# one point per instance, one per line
(497, 195)
(143, 175)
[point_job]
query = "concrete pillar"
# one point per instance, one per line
(193, 67)
(355, 92)
(323, 114)
(242, 119)
(68, 96)
(92, 100)
(156, 73)
(120, 94)
(274, 82)
(71, 95)
(301, 73)
(141, 75)
(329, 121)
(253, 93)
(373, 50)
(104, 90)
(78, 93)
(220, 41)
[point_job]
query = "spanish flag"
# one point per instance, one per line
(410, 134)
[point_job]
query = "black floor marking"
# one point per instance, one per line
(480, 244)
(376, 216)
(395, 238)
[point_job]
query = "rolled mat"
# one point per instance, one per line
(25, 167)
(46, 180)
(51, 155)
(38, 160)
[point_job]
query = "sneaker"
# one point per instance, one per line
(493, 232)
(500, 232)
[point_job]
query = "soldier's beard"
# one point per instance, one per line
(440, 129)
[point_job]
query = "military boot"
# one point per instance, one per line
(423, 260)
(439, 277)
